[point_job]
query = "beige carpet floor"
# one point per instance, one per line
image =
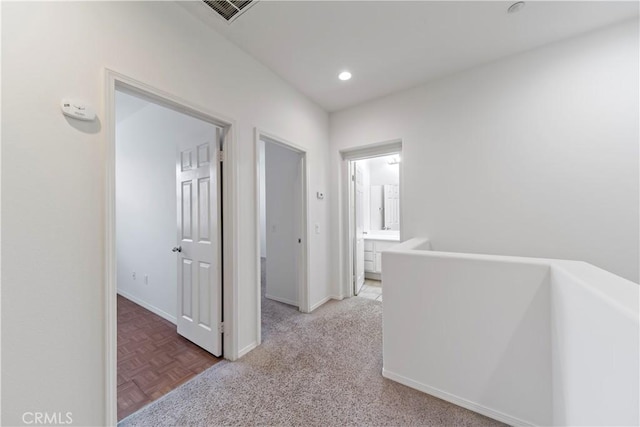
(319, 369)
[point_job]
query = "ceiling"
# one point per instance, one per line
(394, 45)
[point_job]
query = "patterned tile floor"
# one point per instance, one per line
(372, 289)
(152, 358)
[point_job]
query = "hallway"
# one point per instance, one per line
(322, 368)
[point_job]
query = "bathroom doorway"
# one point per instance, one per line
(374, 219)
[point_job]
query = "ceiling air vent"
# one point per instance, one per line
(230, 10)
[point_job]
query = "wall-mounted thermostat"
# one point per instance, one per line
(320, 195)
(77, 110)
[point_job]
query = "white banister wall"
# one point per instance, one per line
(595, 354)
(522, 340)
(466, 329)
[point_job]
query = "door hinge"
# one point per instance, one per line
(221, 156)
(221, 328)
(353, 178)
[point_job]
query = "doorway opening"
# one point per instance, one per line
(167, 262)
(373, 186)
(376, 212)
(282, 231)
(168, 286)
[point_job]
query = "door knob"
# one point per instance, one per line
(177, 249)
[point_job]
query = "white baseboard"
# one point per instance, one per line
(247, 349)
(319, 303)
(148, 306)
(325, 300)
(491, 413)
(283, 300)
(373, 276)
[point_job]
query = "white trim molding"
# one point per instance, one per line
(319, 303)
(151, 308)
(372, 150)
(247, 349)
(282, 300)
(496, 415)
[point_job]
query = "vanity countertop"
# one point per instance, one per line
(384, 237)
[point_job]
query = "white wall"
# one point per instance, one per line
(283, 191)
(53, 179)
(146, 212)
(382, 173)
(533, 155)
(522, 340)
(476, 329)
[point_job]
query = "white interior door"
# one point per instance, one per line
(285, 269)
(391, 207)
(376, 208)
(199, 253)
(359, 229)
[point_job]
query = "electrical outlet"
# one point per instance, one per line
(317, 228)
(133, 275)
(146, 279)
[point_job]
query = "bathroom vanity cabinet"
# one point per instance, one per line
(373, 248)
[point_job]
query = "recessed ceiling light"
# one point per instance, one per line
(345, 75)
(516, 7)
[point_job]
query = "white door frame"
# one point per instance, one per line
(353, 206)
(303, 286)
(346, 219)
(113, 81)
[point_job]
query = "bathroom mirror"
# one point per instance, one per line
(381, 193)
(384, 207)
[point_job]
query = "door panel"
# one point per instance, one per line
(204, 275)
(376, 207)
(199, 274)
(185, 198)
(368, 265)
(186, 289)
(204, 209)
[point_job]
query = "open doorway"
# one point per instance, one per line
(282, 231)
(376, 213)
(168, 247)
(372, 214)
